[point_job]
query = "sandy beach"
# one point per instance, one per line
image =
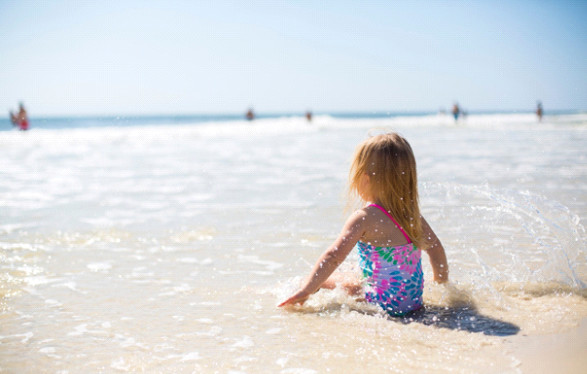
(555, 353)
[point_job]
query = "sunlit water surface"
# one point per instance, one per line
(166, 248)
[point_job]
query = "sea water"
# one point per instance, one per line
(161, 246)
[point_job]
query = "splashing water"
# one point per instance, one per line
(515, 236)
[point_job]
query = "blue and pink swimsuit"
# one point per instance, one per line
(393, 275)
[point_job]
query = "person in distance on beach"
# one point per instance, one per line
(250, 115)
(539, 111)
(456, 111)
(388, 231)
(20, 119)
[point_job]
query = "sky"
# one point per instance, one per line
(130, 57)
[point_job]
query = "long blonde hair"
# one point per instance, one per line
(389, 162)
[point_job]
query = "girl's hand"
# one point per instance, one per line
(440, 280)
(299, 297)
(329, 260)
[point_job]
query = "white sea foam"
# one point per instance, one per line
(102, 267)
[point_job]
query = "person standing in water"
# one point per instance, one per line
(539, 111)
(388, 232)
(250, 115)
(20, 119)
(456, 111)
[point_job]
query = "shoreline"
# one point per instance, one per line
(554, 353)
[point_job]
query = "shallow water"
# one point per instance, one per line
(166, 248)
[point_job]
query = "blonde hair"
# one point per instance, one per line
(389, 162)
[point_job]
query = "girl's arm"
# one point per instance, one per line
(331, 258)
(436, 254)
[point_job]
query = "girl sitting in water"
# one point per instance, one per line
(388, 232)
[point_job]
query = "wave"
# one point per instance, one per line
(225, 124)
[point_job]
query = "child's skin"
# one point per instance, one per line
(369, 225)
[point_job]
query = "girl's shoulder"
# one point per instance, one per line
(371, 212)
(366, 215)
(366, 211)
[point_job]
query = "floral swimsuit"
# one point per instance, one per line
(393, 275)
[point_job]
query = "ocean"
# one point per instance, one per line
(163, 244)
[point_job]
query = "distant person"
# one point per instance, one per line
(309, 116)
(539, 111)
(20, 119)
(456, 111)
(388, 231)
(250, 115)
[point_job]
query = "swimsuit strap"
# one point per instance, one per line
(394, 221)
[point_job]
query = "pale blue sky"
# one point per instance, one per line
(188, 57)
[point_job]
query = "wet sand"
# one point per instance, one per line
(555, 353)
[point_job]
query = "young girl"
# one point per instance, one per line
(388, 232)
